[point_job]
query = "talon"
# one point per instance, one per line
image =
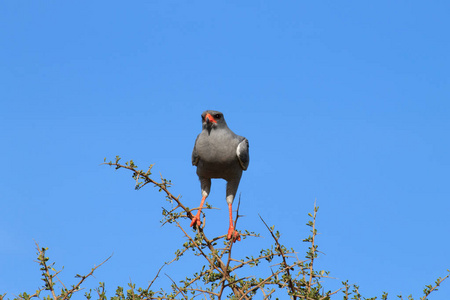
(233, 234)
(196, 221)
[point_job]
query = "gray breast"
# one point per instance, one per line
(217, 155)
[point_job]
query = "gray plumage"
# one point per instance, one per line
(219, 153)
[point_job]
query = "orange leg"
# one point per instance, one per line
(231, 232)
(196, 219)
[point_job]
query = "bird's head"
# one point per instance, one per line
(212, 119)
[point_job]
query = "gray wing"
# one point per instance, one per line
(195, 156)
(243, 154)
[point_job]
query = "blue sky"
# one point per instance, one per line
(343, 102)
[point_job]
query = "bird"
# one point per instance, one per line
(219, 153)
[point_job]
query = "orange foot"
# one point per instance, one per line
(233, 234)
(196, 221)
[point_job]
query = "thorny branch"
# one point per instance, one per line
(304, 287)
(285, 265)
(220, 272)
(47, 277)
(313, 248)
(215, 257)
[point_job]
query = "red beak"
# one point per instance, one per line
(210, 118)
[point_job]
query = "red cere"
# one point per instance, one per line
(210, 118)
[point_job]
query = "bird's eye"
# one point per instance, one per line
(217, 116)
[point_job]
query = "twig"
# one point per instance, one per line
(328, 295)
(185, 297)
(438, 283)
(243, 263)
(267, 279)
(203, 291)
(221, 269)
(313, 248)
(83, 278)
(151, 283)
(291, 284)
(201, 251)
(162, 186)
(48, 278)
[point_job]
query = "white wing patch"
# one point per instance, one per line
(242, 154)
